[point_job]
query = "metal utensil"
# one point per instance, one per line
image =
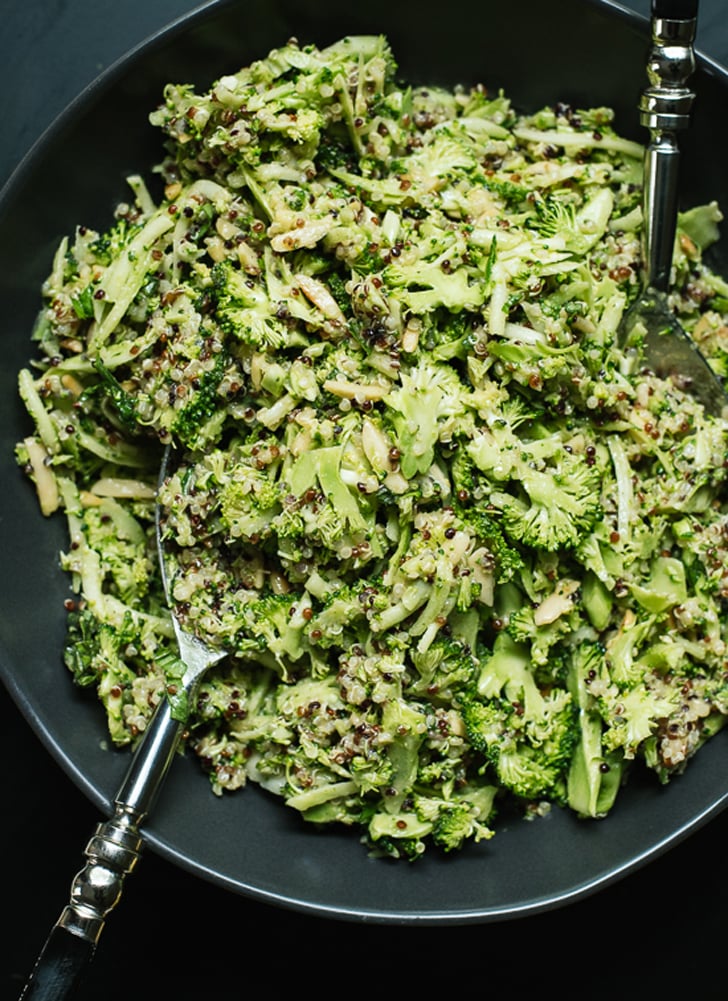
(650, 328)
(116, 845)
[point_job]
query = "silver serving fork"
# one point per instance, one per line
(116, 845)
(650, 329)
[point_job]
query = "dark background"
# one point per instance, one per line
(658, 933)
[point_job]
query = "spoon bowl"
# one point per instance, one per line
(652, 335)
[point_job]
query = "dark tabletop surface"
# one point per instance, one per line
(656, 934)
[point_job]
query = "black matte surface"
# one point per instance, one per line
(60, 968)
(657, 931)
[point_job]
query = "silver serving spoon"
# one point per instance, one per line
(116, 845)
(650, 329)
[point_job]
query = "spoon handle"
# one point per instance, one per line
(116, 846)
(677, 10)
(665, 109)
(59, 968)
(111, 855)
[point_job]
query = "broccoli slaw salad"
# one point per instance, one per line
(460, 551)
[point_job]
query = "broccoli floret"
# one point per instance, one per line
(454, 826)
(107, 246)
(527, 736)
(254, 688)
(466, 817)
(424, 580)
(114, 676)
(123, 279)
(127, 560)
(508, 561)
(632, 716)
(543, 627)
(553, 508)
(535, 362)
(580, 227)
(647, 688)
(117, 661)
(73, 429)
(554, 497)
(405, 726)
(343, 608)
(249, 503)
(233, 493)
(530, 755)
(443, 668)
(244, 309)
(426, 286)
(424, 408)
(200, 419)
(272, 630)
(124, 402)
(507, 673)
(388, 840)
(82, 643)
(319, 470)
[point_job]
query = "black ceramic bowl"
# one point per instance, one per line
(580, 51)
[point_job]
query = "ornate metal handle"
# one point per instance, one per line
(665, 109)
(111, 855)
